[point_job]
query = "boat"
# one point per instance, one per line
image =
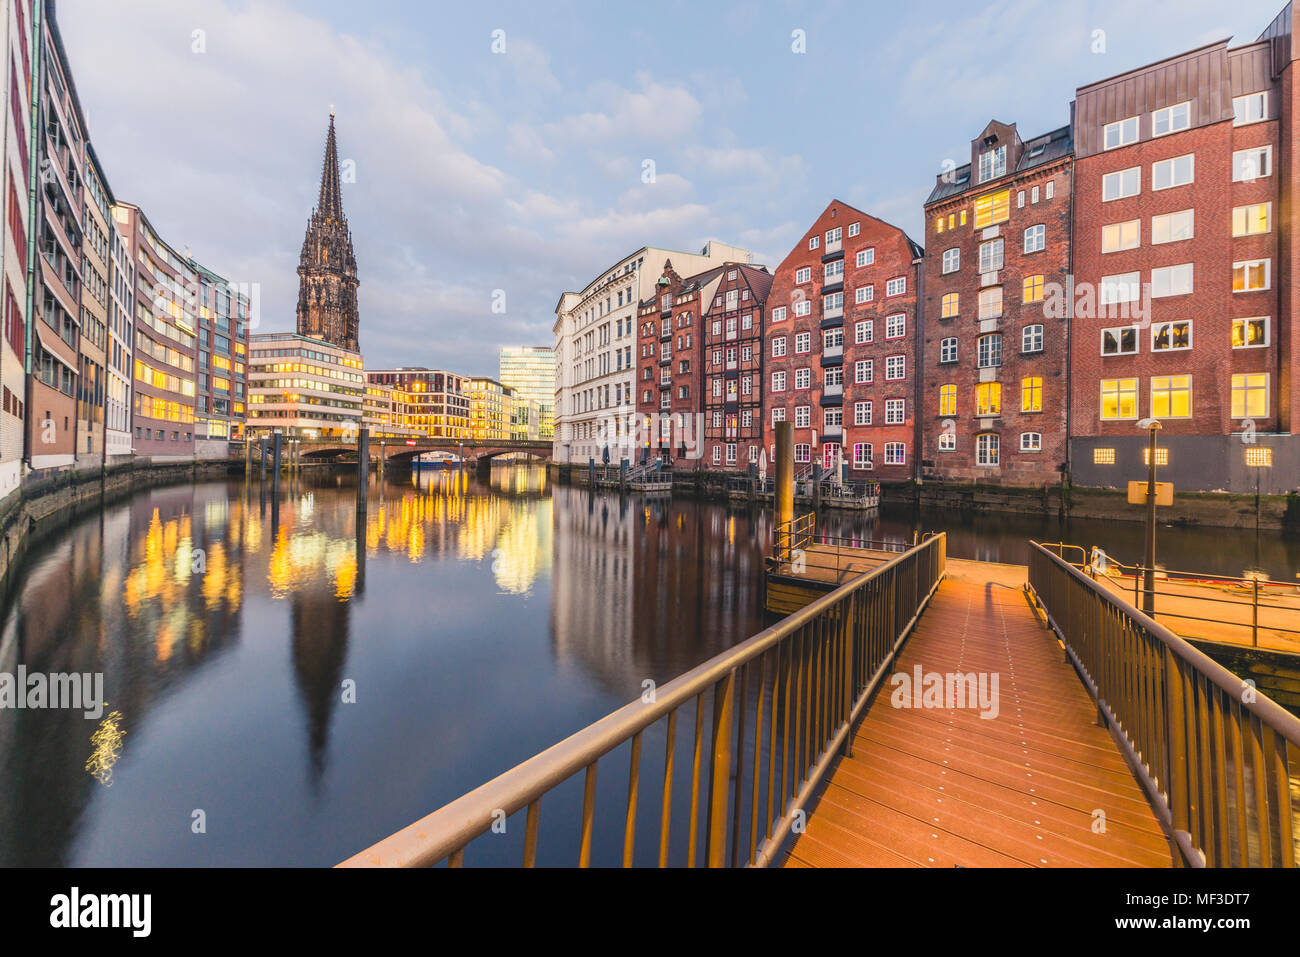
(435, 460)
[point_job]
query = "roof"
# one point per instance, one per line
(1047, 148)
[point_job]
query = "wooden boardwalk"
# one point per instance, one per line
(939, 787)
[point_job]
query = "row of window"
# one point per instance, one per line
(1250, 108)
(1248, 275)
(833, 417)
(1176, 335)
(895, 371)
(1171, 397)
(833, 237)
(988, 397)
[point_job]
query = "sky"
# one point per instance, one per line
(501, 153)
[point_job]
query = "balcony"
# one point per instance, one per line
(833, 251)
(834, 285)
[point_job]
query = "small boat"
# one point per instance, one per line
(435, 460)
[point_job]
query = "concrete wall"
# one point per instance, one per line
(1197, 463)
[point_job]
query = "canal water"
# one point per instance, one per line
(288, 679)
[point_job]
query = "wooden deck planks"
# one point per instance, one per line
(944, 787)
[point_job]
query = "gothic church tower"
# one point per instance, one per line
(327, 271)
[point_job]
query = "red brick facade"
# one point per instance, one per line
(732, 384)
(846, 377)
(994, 405)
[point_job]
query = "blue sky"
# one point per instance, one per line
(522, 171)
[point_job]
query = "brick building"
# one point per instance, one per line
(997, 244)
(735, 310)
(841, 346)
(1184, 299)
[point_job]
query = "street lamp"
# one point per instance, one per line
(1149, 572)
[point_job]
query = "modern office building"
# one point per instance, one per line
(997, 241)
(119, 351)
(842, 347)
(530, 371)
(432, 401)
(220, 374)
(595, 338)
(303, 387)
(491, 409)
(97, 267)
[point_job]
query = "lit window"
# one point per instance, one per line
(1251, 220)
(947, 400)
(1250, 276)
(1259, 456)
(1103, 456)
(1171, 119)
(1033, 289)
(948, 305)
(1031, 394)
(988, 398)
(993, 208)
(986, 449)
(1250, 395)
(1162, 456)
(1119, 398)
(1171, 336)
(1118, 236)
(1250, 333)
(1171, 397)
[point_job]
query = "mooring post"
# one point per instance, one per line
(363, 465)
(275, 461)
(784, 498)
(261, 453)
(248, 457)
(622, 474)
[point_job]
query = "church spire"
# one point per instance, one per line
(330, 204)
(327, 270)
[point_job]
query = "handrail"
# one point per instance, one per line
(820, 665)
(1213, 754)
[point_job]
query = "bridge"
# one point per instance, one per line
(404, 449)
(927, 713)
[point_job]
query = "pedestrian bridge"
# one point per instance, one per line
(924, 713)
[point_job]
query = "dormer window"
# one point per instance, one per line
(993, 163)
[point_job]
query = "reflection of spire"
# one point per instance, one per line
(319, 648)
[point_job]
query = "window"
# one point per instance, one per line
(731, 453)
(862, 455)
(1250, 333)
(802, 416)
(778, 381)
(1252, 164)
(863, 331)
(1250, 276)
(814, 242)
(948, 305)
(1119, 399)
(803, 307)
(1172, 227)
(1031, 339)
(1032, 289)
(833, 236)
(854, 229)
(803, 274)
(862, 413)
(993, 163)
(990, 302)
(1251, 220)
(1250, 108)
(1169, 173)
(1035, 239)
(862, 371)
(803, 343)
(832, 418)
(986, 449)
(896, 286)
(895, 453)
(1121, 184)
(1120, 133)
(1171, 119)
(1118, 236)
(991, 256)
(778, 314)
(895, 411)
(1123, 287)
(778, 415)
(1171, 396)
(947, 400)
(832, 339)
(865, 257)
(951, 260)
(1120, 341)
(1031, 394)
(992, 208)
(1171, 281)
(1250, 395)
(803, 378)
(1050, 189)
(833, 304)
(1031, 441)
(989, 351)
(948, 350)
(1171, 336)
(988, 398)
(778, 347)
(895, 326)
(802, 452)
(864, 293)
(1103, 456)
(1020, 199)
(833, 271)
(895, 368)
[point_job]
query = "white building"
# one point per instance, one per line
(121, 309)
(595, 335)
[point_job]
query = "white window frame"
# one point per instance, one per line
(1171, 164)
(896, 326)
(896, 286)
(1038, 232)
(1169, 115)
(1165, 223)
(895, 368)
(1125, 130)
(802, 275)
(1031, 441)
(1119, 178)
(1029, 337)
(948, 349)
(895, 411)
(1118, 230)
(895, 453)
(862, 413)
(988, 450)
(1268, 331)
(1155, 332)
(1119, 340)
(864, 331)
(1166, 275)
(1268, 274)
(1240, 171)
(1261, 96)
(951, 260)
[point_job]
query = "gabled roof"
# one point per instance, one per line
(1046, 148)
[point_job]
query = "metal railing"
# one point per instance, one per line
(779, 706)
(793, 550)
(1213, 755)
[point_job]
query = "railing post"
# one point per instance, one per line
(1176, 717)
(715, 841)
(1254, 617)
(783, 506)
(849, 683)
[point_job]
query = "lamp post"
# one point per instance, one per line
(1149, 571)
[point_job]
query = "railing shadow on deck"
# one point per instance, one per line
(1213, 754)
(778, 707)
